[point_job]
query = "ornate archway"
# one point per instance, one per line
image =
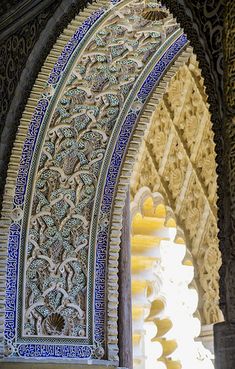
(61, 281)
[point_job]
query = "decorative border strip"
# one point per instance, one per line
(58, 351)
(83, 351)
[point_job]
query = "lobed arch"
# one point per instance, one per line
(160, 68)
(163, 287)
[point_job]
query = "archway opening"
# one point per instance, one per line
(176, 159)
(166, 322)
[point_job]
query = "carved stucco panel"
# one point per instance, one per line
(173, 171)
(69, 167)
(208, 264)
(147, 176)
(180, 147)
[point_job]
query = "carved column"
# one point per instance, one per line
(224, 333)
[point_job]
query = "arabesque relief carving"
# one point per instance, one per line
(57, 250)
(177, 158)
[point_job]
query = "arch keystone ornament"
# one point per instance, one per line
(67, 178)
